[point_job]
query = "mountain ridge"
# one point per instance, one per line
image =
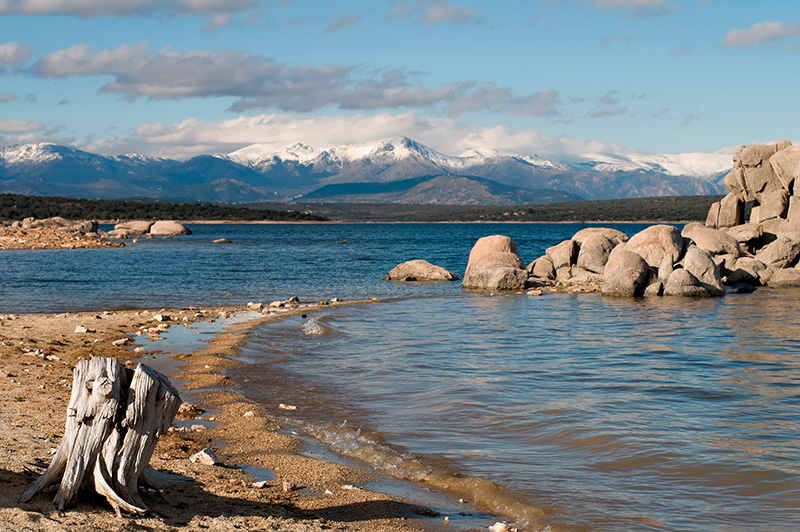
(298, 169)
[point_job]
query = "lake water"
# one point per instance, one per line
(567, 411)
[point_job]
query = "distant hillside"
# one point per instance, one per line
(259, 173)
(437, 190)
(17, 207)
(662, 209)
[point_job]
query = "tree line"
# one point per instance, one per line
(18, 207)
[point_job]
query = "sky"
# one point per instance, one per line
(178, 78)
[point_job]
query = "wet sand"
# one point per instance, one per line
(37, 355)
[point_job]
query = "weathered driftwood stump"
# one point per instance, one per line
(114, 418)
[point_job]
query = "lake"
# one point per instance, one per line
(568, 411)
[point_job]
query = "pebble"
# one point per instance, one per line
(261, 484)
(121, 341)
(81, 329)
(249, 413)
(205, 457)
(287, 407)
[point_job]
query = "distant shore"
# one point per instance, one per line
(38, 353)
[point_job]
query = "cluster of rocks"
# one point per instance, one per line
(82, 227)
(164, 228)
(699, 261)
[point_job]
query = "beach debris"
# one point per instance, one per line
(288, 486)
(312, 328)
(189, 410)
(205, 457)
(109, 437)
(122, 341)
(501, 527)
(82, 329)
(287, 407)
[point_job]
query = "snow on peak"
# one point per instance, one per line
(37, 152)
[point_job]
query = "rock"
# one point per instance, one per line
(683, 283)
(188, 410)
(748, 270)
(656, 288)
(222, 241)
(665, 269)
(712, 241)
(731, 212)
(793, 213)
(261, 484)
(594, 252)
(713, 216)
(725, 264)
(564, 274)
(168, 228)
(655, 243)
(542, 268)
(494, 265)
(786, 165)
(161, 317)
(133, 228)
(205, 457)
(563, 254)
(420, 271)
(734, 181)
(780, 253)
(121, 341)
(626, 274)
(785, 277)
(698, 263)
(249, 413)
(774, 205)
(614, 235)
(82, 329)
(745, 233)
(312, 328)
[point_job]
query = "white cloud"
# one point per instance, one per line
(220, 12)
(19, 125)
(760, 33)
(432, 12)
(625, 4)
(14, 54)
(262, 83)
(342, 22)
(192, 137)
(7, 97)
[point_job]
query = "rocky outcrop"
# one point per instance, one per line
(657, 243)
(419, 271)
(627, 274)
(495, 265)
(165, 228)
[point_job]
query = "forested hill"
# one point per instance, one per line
(18, 207)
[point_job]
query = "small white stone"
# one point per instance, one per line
(205, 457)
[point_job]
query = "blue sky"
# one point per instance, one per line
(552, 77)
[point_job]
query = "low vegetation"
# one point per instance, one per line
(17, 207)
(671, 208)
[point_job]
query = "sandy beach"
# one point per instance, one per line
(37, 355)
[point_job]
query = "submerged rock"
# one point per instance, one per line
(419, 271)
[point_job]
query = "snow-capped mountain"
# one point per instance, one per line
(258, 172)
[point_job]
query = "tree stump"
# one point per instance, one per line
(114, 418)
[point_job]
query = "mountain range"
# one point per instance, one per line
(397, 170)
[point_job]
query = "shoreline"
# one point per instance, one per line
(35, 389)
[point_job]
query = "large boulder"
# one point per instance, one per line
(495, 265)
(758, 177)
(731, 212)
(419, 270)
(626, 274)
(134, 227)
(594, 252)
(168, 228)
(785, 277)
(612, 234)
(774, 205)
(712, 241)
(786, 165)
(698, 263)
(682, 283)
(745, 233)
(542, 268)
(780, 253)
(563, 254)
(748, 270)
(655, 243)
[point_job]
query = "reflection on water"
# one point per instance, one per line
(573, 411)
